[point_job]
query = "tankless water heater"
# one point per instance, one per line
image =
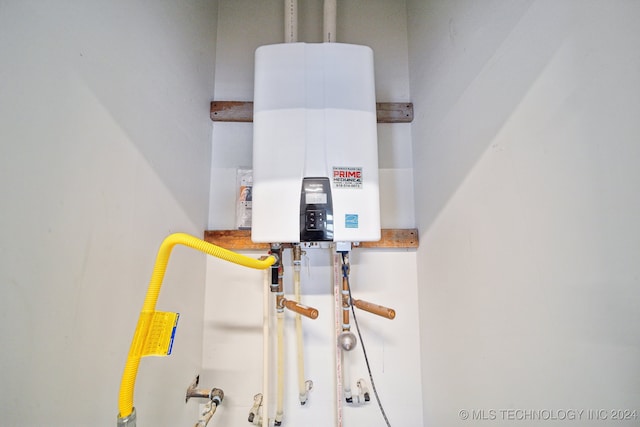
(315, 155)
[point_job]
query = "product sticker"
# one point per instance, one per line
(244, 201)
(347, 177)
(351, 221)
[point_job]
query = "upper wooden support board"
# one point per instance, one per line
(241, 111)
(241, 239)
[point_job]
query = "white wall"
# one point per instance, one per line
(526, 168)
(104, 150)
(233, 314)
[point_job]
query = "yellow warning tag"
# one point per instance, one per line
(154, 334)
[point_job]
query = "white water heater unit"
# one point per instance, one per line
(315, 151)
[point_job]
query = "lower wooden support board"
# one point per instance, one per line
(242, 111)
(241, 239)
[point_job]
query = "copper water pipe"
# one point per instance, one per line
(376, 309)
(281, 301)
(280, 289)
(309, 312)
(380, 310)
(346, 304)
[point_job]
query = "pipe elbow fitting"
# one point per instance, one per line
(216, 396)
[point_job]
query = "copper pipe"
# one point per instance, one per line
(280, 301)
(297, 252)
(295, 306)
(346, 305)
(379, 310)
(346, 294)
(277, 284)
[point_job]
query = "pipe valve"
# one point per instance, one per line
(216, 395)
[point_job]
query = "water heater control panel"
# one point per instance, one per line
(316, 210)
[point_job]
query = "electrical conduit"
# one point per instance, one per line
(125, 399)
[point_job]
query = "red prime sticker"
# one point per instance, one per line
(347, 177)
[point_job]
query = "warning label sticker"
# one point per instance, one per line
(347, 177)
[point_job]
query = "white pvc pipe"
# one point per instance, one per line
(302, 388)
(337, 312)
(346, 377)
(280, 380)
(265, 348)
(290, 21)
(330, 12)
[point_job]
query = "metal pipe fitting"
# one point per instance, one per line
(308, 385)
(216, 395)
(128, 421)
(207, 414)
(297, 253)
(276, 268)
(254, 413)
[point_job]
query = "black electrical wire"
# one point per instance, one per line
(345, 274)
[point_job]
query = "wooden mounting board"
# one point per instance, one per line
(242, 111)
(241, 239)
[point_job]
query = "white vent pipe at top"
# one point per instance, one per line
(330, 13)
(290, 21)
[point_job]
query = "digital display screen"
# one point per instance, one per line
(315, 198)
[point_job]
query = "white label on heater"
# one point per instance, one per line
(347, 177)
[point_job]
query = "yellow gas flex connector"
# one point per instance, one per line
(155, 330)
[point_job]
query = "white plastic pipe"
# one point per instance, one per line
(346, 377)
(330, 13)
(280, 379)
(265, 348)
(290, 21)
(337, 312)
(302, 387)
(360, 396)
